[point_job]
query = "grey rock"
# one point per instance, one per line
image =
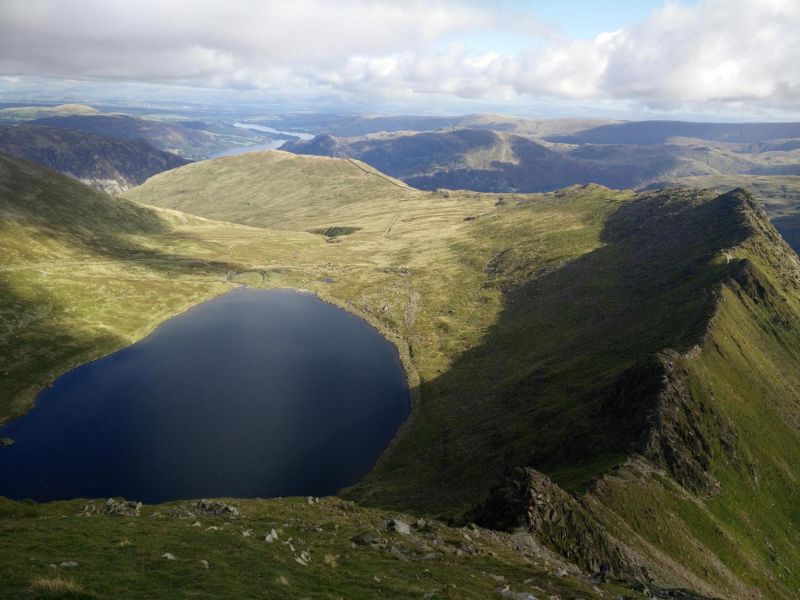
(217, 509)
(509, 595)
(68, 564)
(398, 526)
(168, 556)
(122, 507)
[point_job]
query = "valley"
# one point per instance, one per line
(628, 336)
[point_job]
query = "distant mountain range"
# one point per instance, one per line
(499, 161)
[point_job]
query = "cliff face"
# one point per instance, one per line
(107, 164)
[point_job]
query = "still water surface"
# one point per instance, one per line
(257, 393)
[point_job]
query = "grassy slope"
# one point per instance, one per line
(120, 557)
(745, 381)
(780, 196)
(593, 286)
(520, 316)
(107, 273)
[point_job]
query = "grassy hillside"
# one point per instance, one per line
(637, 350)
(104, 163)
(780, 196)
(346, 552)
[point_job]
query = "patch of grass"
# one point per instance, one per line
(56, 587)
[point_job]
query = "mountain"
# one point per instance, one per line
(780, 196)
(597, 375)
(192, 140)
(491, 161)
(661, 132)
(83, 274)
(585, 351)
(104, 163)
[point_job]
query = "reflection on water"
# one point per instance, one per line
(258, 393)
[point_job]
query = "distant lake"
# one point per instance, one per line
(272, 145)
(257, 393)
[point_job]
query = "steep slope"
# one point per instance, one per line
(104, 163)
(779, 195)
(83, 273)
(667, 352)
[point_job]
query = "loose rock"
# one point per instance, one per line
(68, 564)
(168, 556)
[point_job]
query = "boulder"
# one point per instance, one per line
(6, 441)
(122, 507)
(398, 526)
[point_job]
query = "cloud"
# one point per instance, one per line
(715, 53)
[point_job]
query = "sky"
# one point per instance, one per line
(709, 59)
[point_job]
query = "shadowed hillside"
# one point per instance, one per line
(193, 139)
(106, 164)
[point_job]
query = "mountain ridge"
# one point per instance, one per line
(634, 349)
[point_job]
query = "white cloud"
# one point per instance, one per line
(735, 53)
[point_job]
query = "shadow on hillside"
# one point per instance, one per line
(563, 380)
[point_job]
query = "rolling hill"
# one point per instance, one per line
(661, 132)
(614, 370)
(107, 164)
(25, 113)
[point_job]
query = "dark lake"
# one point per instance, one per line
(257, 393)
